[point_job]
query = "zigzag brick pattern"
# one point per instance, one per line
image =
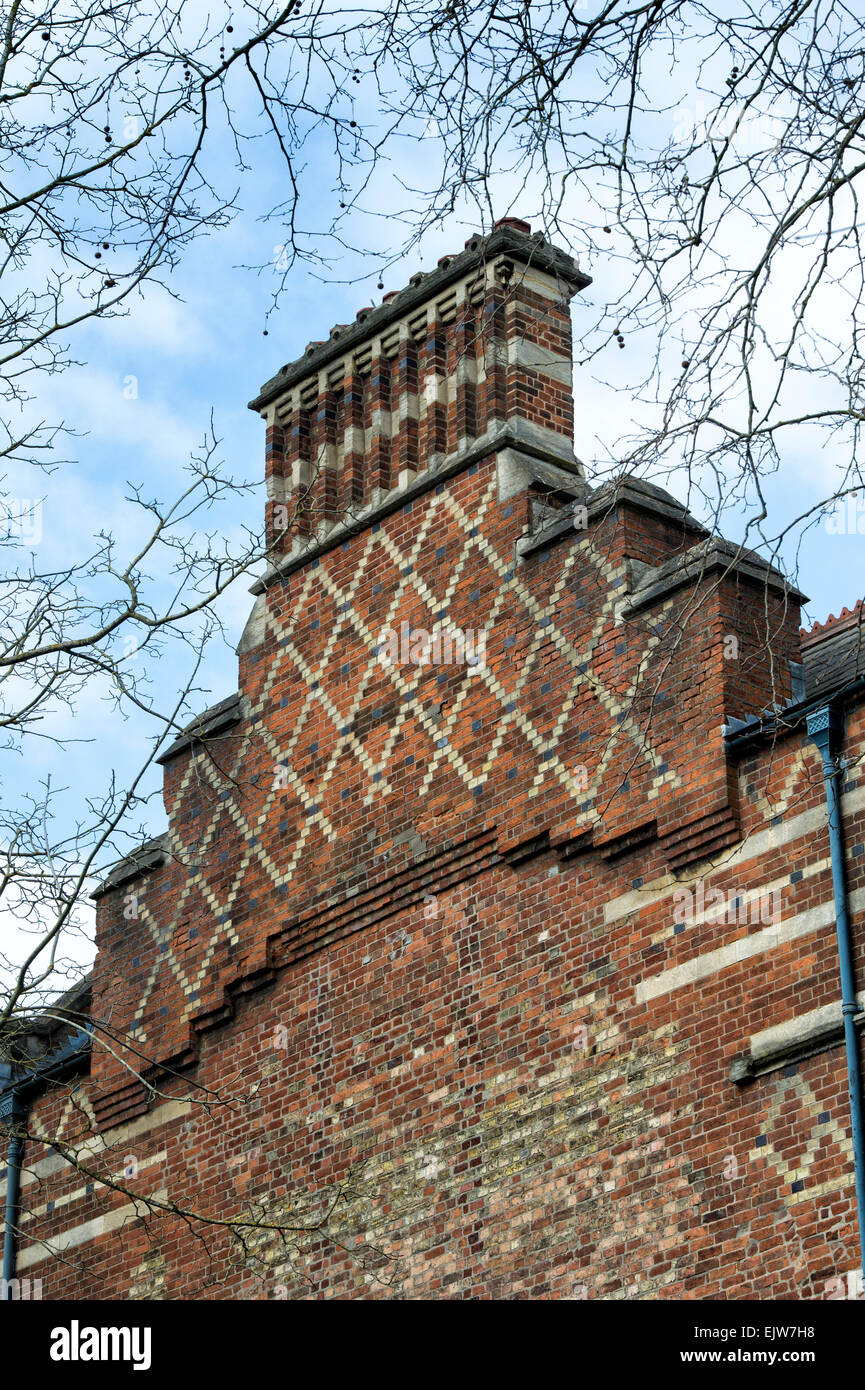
(406, 971)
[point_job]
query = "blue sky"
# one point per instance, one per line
(207, 355)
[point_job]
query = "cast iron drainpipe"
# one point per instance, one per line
(826, 729)
(13, 1109)
(12, 1113)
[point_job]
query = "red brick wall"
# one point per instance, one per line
(508, 1117)
(425, 990)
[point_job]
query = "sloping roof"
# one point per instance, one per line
(836, 660)
(218, 717)
(33, 1043)
(147, 856)
(833, 661)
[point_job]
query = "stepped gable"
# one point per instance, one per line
(560, 681)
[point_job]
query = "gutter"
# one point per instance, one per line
(742, 734)
(15, 1099)
(826, 730)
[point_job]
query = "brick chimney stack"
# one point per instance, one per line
(466, 661)
(474, 903)
(476, 353)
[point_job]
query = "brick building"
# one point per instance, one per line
(491, 941)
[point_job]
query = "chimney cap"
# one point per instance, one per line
(516, 224)
(506, 239)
